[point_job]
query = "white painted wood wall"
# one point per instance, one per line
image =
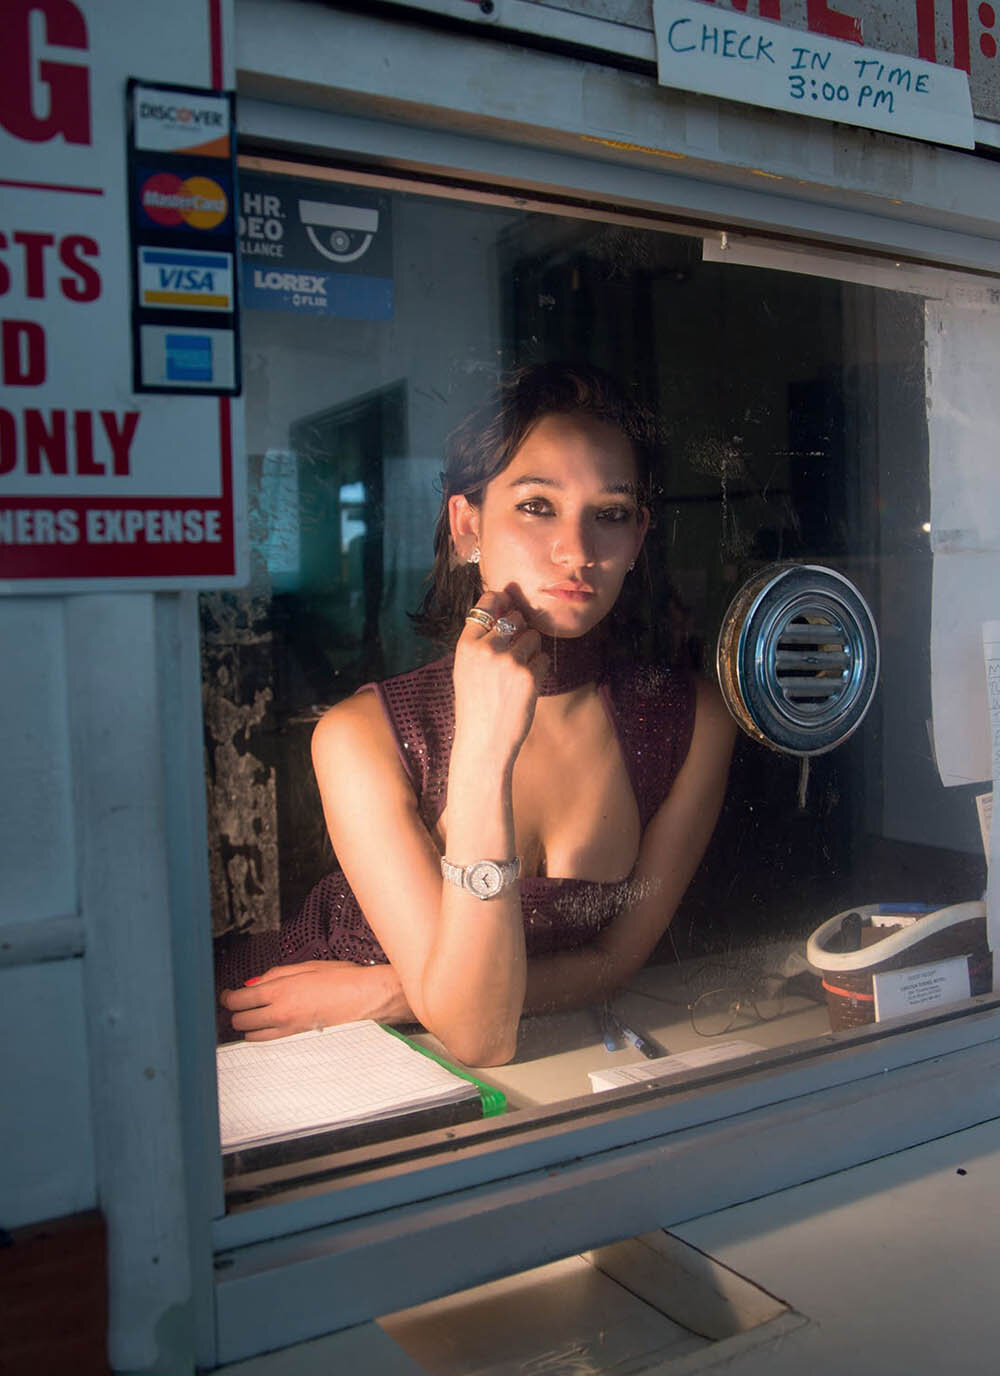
(87, 996)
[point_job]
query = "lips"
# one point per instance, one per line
(570, 592)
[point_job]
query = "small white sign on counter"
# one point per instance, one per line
(666, 1067)
(920, 987)
(720, 53)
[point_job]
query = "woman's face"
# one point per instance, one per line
(559, 527)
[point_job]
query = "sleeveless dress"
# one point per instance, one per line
(652, 712)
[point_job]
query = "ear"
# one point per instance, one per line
(463, 520)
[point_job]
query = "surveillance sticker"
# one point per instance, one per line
(307, 248)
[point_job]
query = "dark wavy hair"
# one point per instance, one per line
(484, 444)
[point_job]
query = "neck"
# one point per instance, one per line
(573, 662)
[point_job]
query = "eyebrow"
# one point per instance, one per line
(614, 489)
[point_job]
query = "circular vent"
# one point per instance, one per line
(798, 658)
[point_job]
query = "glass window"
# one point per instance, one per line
(800, 409)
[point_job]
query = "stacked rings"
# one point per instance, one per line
(500, 624)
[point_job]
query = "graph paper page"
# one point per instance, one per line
(353, 1073)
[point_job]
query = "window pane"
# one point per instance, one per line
(791, 433)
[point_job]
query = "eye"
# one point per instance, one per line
(615, 514)
(536, 506)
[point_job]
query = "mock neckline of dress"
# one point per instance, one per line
(574, 661)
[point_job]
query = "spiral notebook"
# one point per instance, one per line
(339, 1087)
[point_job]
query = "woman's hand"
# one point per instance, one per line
(497, 677)
(317, 993)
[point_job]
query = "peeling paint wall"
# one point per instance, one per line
(242, 811)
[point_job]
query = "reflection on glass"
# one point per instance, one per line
(791, 424)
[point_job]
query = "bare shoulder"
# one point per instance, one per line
(355, 735)
(360, 712)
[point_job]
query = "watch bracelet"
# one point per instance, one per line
(461, 876)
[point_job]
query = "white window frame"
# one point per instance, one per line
(398, 1233)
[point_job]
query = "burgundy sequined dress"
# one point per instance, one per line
(652, 711)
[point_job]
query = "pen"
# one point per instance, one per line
(609, 1035)
(642, 1043)
(647, 1046)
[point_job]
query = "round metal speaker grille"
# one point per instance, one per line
(798, 658)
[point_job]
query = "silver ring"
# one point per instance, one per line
(481, 617)
(505, 628)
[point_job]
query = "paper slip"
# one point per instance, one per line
(919, 987)
(666, 1067)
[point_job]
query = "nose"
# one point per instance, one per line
(573, 545)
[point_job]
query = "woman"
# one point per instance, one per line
(591, 787)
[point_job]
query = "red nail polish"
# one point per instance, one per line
(255, 980)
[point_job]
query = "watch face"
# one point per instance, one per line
(485, 879)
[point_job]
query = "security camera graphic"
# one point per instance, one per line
(340, 232)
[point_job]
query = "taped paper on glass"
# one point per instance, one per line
(984, 811)
(963, 417)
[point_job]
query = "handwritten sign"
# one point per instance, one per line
(720, 53)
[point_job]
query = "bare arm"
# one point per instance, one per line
(460, 961)
(469, 953)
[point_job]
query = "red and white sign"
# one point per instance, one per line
(100, 486)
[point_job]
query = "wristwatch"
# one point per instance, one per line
(484, 878)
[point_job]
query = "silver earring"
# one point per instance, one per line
(473, 557)
(631, 566)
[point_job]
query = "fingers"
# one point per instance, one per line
(496, 620)
(257, 1020)
(280, 971)
(481, 619)
(255, 1010)
(525, 644)
(290, 998)
(496, 624)
(508, 627)
(251, 995)
(237, 998)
